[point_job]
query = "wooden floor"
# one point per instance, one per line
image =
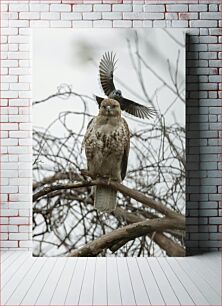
(26, 280)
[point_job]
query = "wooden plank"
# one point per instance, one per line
(86, 294)
(100, 283)
(62, 287)
(47, 291)
(151, 285)
(187, 282)
(4, 255)
(206, 273)
(37, 285)
(126, 288)
(212, 260)
(181, 293)
(166, 289)
(113, 286)
(75, 285)
(17, 278)
(208, 292)
(139, 289)
(18, 294)
(10, 261)
(13, 269)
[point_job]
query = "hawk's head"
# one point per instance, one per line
(110, 107)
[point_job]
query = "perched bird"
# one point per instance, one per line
(107, 143)
(106, 70)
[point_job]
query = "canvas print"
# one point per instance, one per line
(109, 142)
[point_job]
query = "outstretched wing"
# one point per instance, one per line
(137, 109)
(106, 69)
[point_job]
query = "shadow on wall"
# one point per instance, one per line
(194, 221)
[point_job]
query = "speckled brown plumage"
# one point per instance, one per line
(107, 142)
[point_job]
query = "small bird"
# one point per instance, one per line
(107, 143)
(106, 70)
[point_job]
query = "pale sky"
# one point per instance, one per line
(72, 56)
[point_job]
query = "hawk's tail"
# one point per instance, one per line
(105, 199)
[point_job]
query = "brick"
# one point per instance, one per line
(171, 16)
(39, 7)
(213, 7)
(137, 8)
(8, 228)
(147, 23)
(19, 149)
(25, 244)
(207, 15)
(9, 142)
(203, 23)
(19, 39)
(161, 23)
(122, 7)
(9, 244)
(82, 7)
(19, 71)
(180, 23)
(60, 24)
(4, 220)
(187, 16)
(9, 126)
(18, 23)
(154, 8)
(135, 15)
(102, 7)
(9, 63)
(4, 7)
(13, 47)
(198, 7)
(112, 15)
(9, 31)
(93, 15)
(25, 126)
(50, 16)
(9, 78)
(177, 8)
(138, 23)
(60, 8)
(19, 220)
(18, 236)
(19, 7)
(215, 63)
(208, 39)
(71, 16)
(19, 118)
(215, 220)
(122, 23)
(39, 24)
(24, 212)
(102, 23)
(24, 229)
(29, 15)
(216, 31)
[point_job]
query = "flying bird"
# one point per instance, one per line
(106, 70)
(107, 143)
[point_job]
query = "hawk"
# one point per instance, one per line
(106, 70)
(107, 143)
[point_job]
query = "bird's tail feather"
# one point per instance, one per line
(105, 199)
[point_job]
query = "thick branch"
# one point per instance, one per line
(136, 195)
(172, 248)
(129, 232)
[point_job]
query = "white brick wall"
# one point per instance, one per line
(201, 18)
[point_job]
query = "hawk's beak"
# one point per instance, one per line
(108, 108)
